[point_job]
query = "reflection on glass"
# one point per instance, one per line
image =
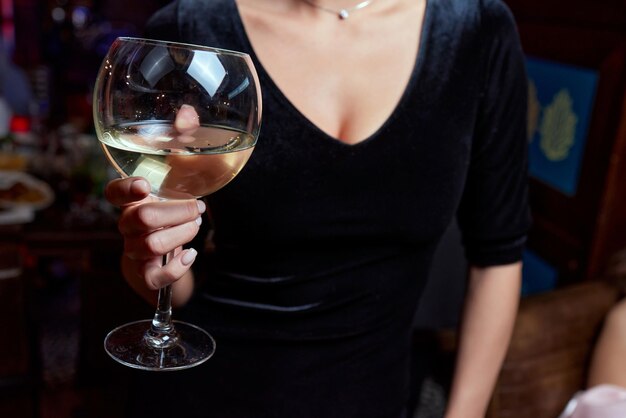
(207, 70)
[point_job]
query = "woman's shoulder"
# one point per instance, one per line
(490, 14)
(496, 14)
(204, 9)
(195, 7)
(194, 21)
(163, 24)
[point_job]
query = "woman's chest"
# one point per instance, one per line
(403, 185)
(346, 77)
(404, 177)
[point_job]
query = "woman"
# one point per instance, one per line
(605, 396)
(382, 121)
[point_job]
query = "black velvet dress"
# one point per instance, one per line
(323, 248)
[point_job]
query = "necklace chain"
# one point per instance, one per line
(342, 14)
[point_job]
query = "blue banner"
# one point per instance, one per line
(560, 105)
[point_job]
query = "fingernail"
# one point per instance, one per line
(139, 186)
(189, 256)
(199, 220)
(201, 206)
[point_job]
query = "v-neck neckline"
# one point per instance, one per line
(270, 86)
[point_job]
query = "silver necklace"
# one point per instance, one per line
(344, 13)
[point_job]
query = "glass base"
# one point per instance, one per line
(127, 345)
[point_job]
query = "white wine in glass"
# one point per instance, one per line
(186, 118)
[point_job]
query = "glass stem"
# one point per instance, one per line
(162, 333)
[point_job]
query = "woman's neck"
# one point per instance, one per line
(309, 8)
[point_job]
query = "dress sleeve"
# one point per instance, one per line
(494, 215)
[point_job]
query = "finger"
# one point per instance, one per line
(160, 242)
(158, 276)
(187, 120)
(121, 192)
(141, 219)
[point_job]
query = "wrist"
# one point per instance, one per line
(467, 405)
(457, 413)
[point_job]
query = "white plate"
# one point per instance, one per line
(9, 178)
(16, 216)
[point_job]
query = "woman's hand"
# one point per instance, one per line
(152, 228)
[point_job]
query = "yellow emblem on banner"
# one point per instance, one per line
(558, 127)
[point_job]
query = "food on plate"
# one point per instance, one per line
(19, 189)
(20, 192)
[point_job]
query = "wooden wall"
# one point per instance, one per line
(578, 234)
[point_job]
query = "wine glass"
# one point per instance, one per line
(186, 118)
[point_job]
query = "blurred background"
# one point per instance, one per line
(59, 246)
(60, 287)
